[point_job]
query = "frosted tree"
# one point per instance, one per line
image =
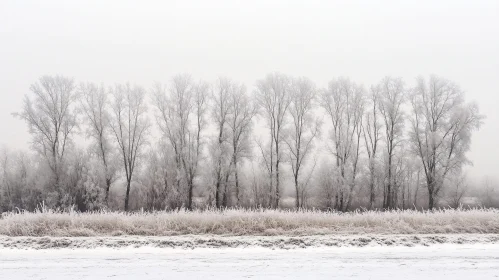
(457, 189)
(158, 177)
(220, 150)
(51, 118)
(15, 183)
(7, 190)
(94, 102)
(303, 132)
(273, 97)
(129, 124)
(181, 118)
(371, 129)
(343, 101)
(326, 184)
(407, 171)
(258, 186)
(240, 123)
(489, 193)
(233, 112)
(193, 155)
(174, 110)
(441, 128)
(391, 99)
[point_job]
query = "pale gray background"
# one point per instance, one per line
(147, 41)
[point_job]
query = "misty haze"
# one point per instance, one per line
(198, 137)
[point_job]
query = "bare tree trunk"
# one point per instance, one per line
(108, 186)
(225, 196)
(217, 195)
(189, 199)
(219, 170)
(388, 189)
(271, 163)
(371, 187)
(403, 197)
(297, 202)
(341, 201)
(236, 178)
(277, 185)
(127, 195)
(417, 189)
(431, 200)
(431, 193)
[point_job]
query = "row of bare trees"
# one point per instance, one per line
(339, 147)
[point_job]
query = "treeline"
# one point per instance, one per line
(283, 143)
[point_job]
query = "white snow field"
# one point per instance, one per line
(444, 261)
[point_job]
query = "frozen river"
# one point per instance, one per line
(434, 262)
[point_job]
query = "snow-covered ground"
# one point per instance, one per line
(223, 241)
(444, 261)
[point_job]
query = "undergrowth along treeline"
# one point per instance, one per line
(247, 222)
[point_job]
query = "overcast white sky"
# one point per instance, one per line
(147, 41)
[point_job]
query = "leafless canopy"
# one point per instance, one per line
(129, 125)
(441, 128)
(51, 119)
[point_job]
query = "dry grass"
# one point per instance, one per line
(247, 222)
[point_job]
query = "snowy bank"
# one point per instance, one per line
(217, 241)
